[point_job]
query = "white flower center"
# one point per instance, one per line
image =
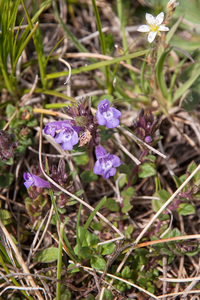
(67, 135)
(106, 165)
(108, 115)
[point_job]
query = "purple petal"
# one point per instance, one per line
(115, 160)
(103, 105)
(67, 145)
(100, 118)
(100, 152)
(28, 184)
(112, 123)
(39, 182)
(109, 173)
(116, 112)
(51, 127)
(35, 180)
(74, 138)
(59, 137)
(97, 168)
(148, 139)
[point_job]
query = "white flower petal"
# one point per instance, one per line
(151, 36)
(163, 28)
(150, 19)
(160, 18)
(144, 28)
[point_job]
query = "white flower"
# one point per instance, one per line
(172, 4)
(153, 26)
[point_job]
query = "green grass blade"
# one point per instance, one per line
(173, 29)
(59, 263)
(77, 226)
(52, 93)
(78, 45)
(12, 278)
(160, 74)
(98, 65)
(38, 47)
(180, 91)
(90, 218)
(23, 47)
(124, 41)
(102, 42)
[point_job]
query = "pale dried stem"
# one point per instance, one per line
(20, 260)
(155, 217)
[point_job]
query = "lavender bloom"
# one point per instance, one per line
(51, 127)
(107, 115)
(68, 137)
(35, 181)
(106, 163)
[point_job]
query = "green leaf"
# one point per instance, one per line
(163, 195)
(86, 253)
(96, 226)
(88, 176)
(177, 181)
(111, 204)
(91, 297)
(81, 159)
(126, 272)
(6, 180)
(185, 209)
(126, 169)
(126, 205)
(65, 293)
(107, 295)
(47, 255)
(10, 110)
(107, 249)
(147, 170)
(2, 124)
(5, 214)
(129, 192)
(98, 263)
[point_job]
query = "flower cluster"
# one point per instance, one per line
(83, 128)
(7, 145)
(146, 126)
(153, 26)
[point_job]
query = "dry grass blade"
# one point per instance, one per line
(20, 260)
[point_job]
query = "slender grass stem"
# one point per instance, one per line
(59, 264)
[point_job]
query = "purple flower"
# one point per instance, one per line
(67, 137)
(51, 127)
(107, 115)
(35, 181)
(106, 163)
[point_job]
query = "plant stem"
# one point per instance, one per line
(59, 264)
